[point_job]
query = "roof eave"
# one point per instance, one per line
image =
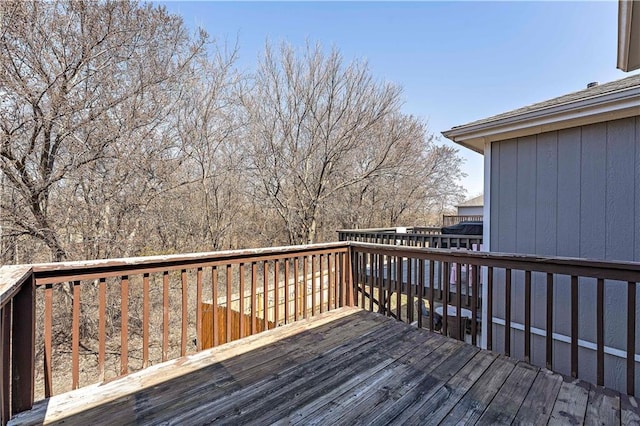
(628, 35)
(611, 106)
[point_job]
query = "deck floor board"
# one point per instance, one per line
(347, 366)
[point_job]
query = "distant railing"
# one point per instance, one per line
(512, 281)
(151, 306)
(414, 237)
(449, 220)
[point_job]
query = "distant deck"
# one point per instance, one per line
(347, 366)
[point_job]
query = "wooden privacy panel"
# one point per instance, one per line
(206, 337)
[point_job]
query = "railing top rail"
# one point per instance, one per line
(390, 230)
(617, 270)
(417, 234)
(47, 273)
(12, 277)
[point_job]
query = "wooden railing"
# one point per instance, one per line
(529, 296)
(449, 220)
(428, 239)
(103, 319)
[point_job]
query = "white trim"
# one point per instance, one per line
(567, 339)
(610, 106)
(628, 29)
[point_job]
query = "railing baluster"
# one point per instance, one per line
(124, 325)
(409, 290)
(399, 265)
(75, 337)
(198, 309)
(388, 291)
(331, 282)
(265, 293)
(490, 308)
(432, 312)
(228, 279)
(254, 297)
(321, 278)
(507, 319)
(48, 330)
(276, 295)
(305, 289)
(631, 337)
(241, 299)
(549, 332)
(474, 304)
(286, 290)
(313, 284)
(336, 280)
(165, 315)
(381, 295)
(371, 263)
(527, 316)
(420, 290)
(145, 321)
(574, 326)
(350, 283)
(361, 282)
(185, 313)
(215, 321)
(444, 276)
(600, 332)
(296, 289)
(460, 330)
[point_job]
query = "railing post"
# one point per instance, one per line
(351, 286)
(22, 348)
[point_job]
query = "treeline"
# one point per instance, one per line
(123, 134)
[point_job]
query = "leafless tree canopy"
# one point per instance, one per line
(123, 134)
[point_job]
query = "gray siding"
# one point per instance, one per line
(576, 193)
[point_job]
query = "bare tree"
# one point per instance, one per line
(83, 85)
(321, 130)
(311, 117)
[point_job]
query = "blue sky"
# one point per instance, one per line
(457, 61)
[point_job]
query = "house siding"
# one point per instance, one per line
(575, 193)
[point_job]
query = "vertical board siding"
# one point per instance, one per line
(546, 225)
(576, 193)
(592, 216)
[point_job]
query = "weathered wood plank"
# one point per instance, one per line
(436, 371)
(302, 381)
(354, 384)
(571, 404)
(603, 407)
(67, 405)
(537, 405)
(371, 392)
(472, 405)
(343, 366)
(629, 410)
(507, 402)
(434, 404)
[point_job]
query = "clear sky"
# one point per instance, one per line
(457, 61)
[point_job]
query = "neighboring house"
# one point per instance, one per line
(562, 178)
(472, 207)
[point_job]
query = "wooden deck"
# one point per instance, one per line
(344, 367)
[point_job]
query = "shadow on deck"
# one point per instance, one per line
(347, 367)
